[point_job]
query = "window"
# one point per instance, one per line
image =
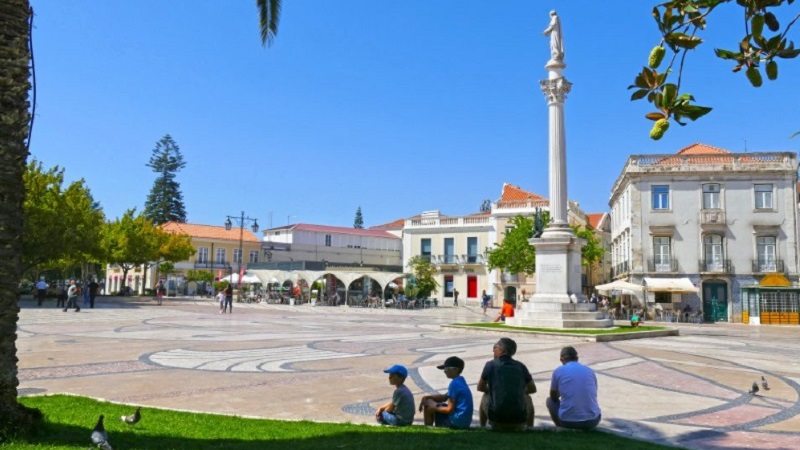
(660, 197)
(766, 254)
(763, 196)
(327, 240)
(661, 254)
(712, 248)
(202, 255)
(448, 286)
(472, 249)
(237, 256)
(253, 256)
(711, 196)
(220, 256)
(449, 251)
(425, 248)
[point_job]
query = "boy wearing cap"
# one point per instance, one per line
(454, 409)
(399, 411)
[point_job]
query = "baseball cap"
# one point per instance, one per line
(453, 361)
(398, 369)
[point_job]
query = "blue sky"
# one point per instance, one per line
(397, 107)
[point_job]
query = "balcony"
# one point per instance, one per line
(768, 265)
(712, 217)
(715, 266)
(448, 222)
(457, 259)
(205, 264)
(620, 269)
(662, 264)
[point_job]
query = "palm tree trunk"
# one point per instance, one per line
(14, 122)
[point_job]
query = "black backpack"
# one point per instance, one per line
(507, 393)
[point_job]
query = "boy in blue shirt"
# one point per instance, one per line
(400, 410)
(454, 409)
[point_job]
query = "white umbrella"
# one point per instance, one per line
(246, 279)
(621, 285)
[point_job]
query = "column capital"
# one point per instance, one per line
(555, 91)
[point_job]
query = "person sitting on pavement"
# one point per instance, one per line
(507, 386)
(506, 311)
(454, 409)
(573, 394)
(400, 410)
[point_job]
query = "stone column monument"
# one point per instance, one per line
(558, 301)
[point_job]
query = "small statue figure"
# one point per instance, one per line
(554, 31)
(538, 223)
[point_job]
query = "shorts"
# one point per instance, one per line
(388, 418)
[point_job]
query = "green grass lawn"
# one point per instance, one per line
(69, 421)
(615, 330)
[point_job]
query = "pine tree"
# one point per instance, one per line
(358, 223)
(165, 201)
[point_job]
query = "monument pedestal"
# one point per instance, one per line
(558, 301)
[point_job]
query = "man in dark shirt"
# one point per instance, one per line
(507, 385)
(92, 286)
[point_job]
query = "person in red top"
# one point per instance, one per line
(506, 311)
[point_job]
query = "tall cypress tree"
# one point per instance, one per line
(165, 201)
(359, 220)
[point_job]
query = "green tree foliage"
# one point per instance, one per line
(199, 275)
(515, 254)
(165, 201)
(358, 223)
(62, 226)
(679, 22)
(133, 240)
(424, 281)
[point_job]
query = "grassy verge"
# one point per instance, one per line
(615, 330)
(69, 421)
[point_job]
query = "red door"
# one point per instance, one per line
(472, 286)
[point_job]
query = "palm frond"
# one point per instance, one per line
(269, 13)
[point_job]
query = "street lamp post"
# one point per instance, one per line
(241, 220)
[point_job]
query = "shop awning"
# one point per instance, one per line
(677, 285)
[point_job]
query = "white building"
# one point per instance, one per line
(704, 220)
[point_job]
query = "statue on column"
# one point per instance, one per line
(554, 31)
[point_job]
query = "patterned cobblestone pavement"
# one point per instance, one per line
(325, 363)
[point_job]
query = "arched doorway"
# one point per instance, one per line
(715, 301)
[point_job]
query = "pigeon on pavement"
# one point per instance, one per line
(764, 383)
(99, 436)
(753, 389)
(133, 418)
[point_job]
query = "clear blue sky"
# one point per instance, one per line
(397, 107)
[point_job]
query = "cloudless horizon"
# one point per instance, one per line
(394, 107)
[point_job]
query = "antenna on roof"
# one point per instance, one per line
(745, 145)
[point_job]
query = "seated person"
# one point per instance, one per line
(687, 312)
(454, 409)
(573, 394)
(507, 386)
(506, 311)
(636, 319)
(400, 410)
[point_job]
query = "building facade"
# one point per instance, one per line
(696, 226)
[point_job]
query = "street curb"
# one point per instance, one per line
(576, 337)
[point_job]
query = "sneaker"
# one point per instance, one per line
(78, 309)
(65, 310)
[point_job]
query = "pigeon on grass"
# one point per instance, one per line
(764, 383)
(753, 389)
(99, 436)
(133, 418)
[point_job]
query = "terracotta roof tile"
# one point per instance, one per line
(701, 149)
(393, 225)
(210, 231)
(595, 219)
(515, 193)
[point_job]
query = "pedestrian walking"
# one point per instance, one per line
(73, 293)
(41, 291)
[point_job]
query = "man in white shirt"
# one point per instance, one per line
(573, 394)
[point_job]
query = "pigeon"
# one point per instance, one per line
(133, 418)
(99, 436)
(753, 389)
(764, 383)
